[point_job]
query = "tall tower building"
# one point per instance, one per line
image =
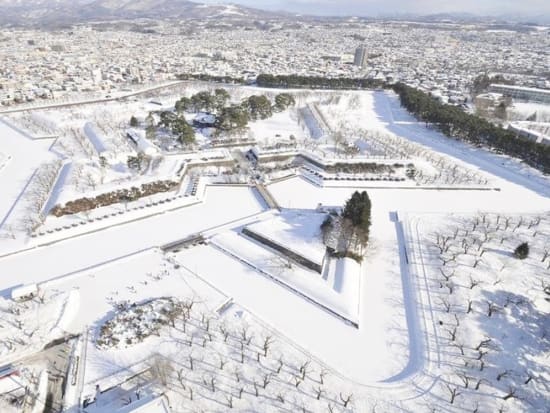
(360, 56)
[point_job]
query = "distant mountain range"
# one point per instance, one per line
(48, 13)
(63, 12)
(474, 18)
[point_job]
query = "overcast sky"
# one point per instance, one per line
(382, 7)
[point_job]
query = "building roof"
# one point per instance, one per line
(149, 404)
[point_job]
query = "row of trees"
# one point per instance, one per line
(203, 101)
(450, 120)
(316, 82)
(454, 122)
(210, 78)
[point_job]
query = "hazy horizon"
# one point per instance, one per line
(390, 7)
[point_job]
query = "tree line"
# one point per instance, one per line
(455, 123)
(211, 78)
(316, 82)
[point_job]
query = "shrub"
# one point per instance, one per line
(522, 251)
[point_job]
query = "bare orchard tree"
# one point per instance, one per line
(346, 399)
(453, 393)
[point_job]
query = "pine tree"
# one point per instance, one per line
(522, 251)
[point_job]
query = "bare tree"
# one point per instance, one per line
(281, 364)
(511, 394)
(454, 393)
(491, 308)
(304, 369)
(181, 378)
(445, 303)
(452, 334)
(267, 343)
(502, 374)
(229, 399)
(346, 399)
(480, 382)
(266, 380)
(530, 376)
(224, 331)
(223, 362)
(322, 374)
(318, 392)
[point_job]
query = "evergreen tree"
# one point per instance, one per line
(522, 251)
(184, 132)
(202, 101)
(221, 97)
(232, 118)
(283, 101)
(258, 107)
(183, 105)
(358, 212)
(150, 129)
(167, 118)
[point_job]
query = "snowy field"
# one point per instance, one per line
(439, 316)
(297, 230)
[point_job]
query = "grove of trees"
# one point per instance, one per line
(230, 117)
(316, 82)
(347, 235)
(357, 211)
(455, 123)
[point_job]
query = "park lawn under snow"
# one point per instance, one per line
(340, 297)
(157, 275)
(490, 309)
(276, 128)
(378, 341)
(299, 231)
(27, 326)
(25, 156)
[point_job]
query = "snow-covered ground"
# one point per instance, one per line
(325, 290)
(26, 156)
(298, 230)
(431, 252)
